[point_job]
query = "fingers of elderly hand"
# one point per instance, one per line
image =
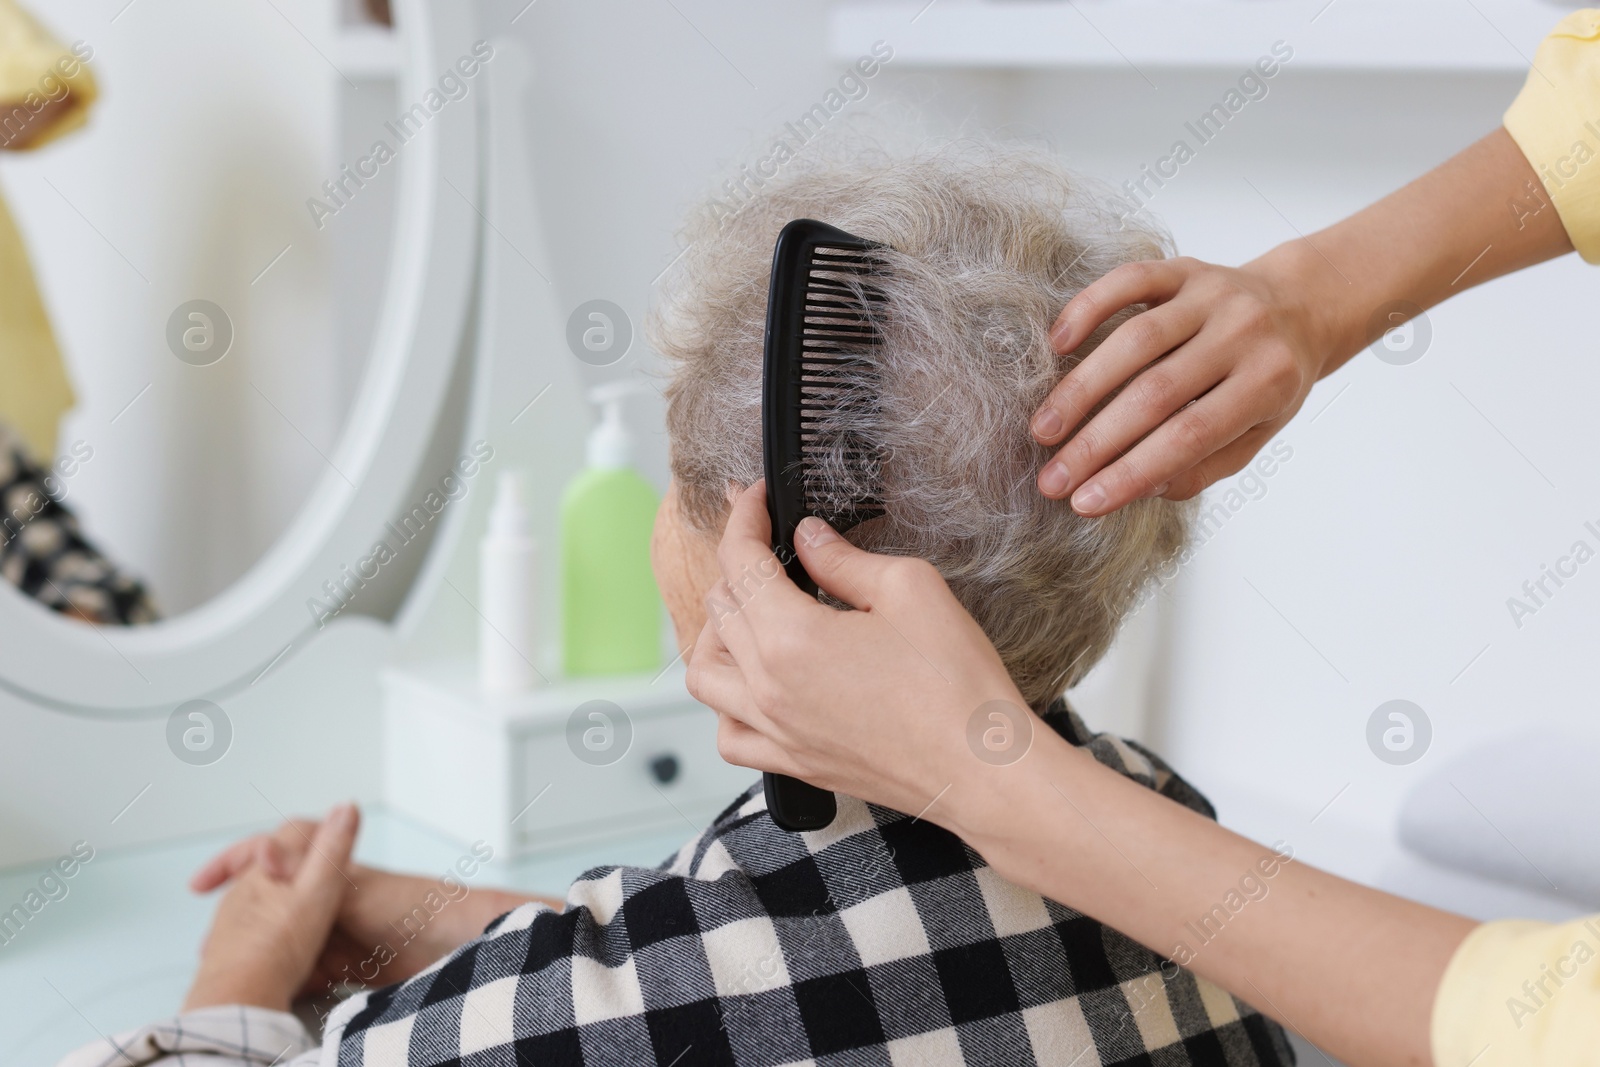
(1149, 281)
(272, 860)
(325, 868)
(224, 866)
(1132, 346)
(296, 831)
(293, 838)
(1189, 437)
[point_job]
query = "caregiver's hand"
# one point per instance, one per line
(1223, 357)
(874, 702)
(1241, 351)
(268, 933)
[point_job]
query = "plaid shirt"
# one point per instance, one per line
(880, 940)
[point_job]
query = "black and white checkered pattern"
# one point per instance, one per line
(227, 1035)
(44, 555)
(880, 940)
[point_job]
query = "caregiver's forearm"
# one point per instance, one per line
(1478, 215)
(1353, 969)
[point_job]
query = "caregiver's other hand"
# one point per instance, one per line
(1243, 346)
(1241, 351)
(874, 702)
(268, 933)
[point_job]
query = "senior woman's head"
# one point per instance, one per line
(987, 243)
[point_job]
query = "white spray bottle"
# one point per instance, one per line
(508, 561)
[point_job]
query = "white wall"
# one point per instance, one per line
(636, 117)
(1403, 520)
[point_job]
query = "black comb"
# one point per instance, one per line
(822, 329)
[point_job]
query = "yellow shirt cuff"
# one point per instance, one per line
(1521, 994)
(36, 69)
(1555, 120)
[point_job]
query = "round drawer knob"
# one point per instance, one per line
(664, 768)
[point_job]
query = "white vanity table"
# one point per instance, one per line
(127, 954)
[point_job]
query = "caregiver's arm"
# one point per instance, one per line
(1243, 346)
(1353, 969)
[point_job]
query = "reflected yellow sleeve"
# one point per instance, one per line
(36, 69)
(1555, 120)
(1521, 994)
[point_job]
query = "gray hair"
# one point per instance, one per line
(987, 242)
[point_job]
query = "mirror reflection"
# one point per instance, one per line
(181, 336)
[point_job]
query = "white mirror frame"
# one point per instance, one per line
(264, 618)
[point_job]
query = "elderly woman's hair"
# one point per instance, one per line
(987, 244)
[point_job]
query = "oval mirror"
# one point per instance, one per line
(258, 302)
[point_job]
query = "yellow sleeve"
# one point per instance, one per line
(36, 69)
(1555, 120)
(1521, 994)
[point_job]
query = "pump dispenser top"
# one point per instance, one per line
(610, 445)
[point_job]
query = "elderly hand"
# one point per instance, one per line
(389, 926)
(874, 702)
(1241, 351)
(268, 932)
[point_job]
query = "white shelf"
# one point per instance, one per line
(1423, 35)
(368, 50)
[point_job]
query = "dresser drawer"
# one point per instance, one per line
(668, 773)
(555, 767)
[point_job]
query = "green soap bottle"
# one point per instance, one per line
(610, 607)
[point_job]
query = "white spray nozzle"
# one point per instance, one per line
(611, 392)
(509, 515)
(610, 445)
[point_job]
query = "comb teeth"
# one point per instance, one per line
(821, 383)
(838, 334)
